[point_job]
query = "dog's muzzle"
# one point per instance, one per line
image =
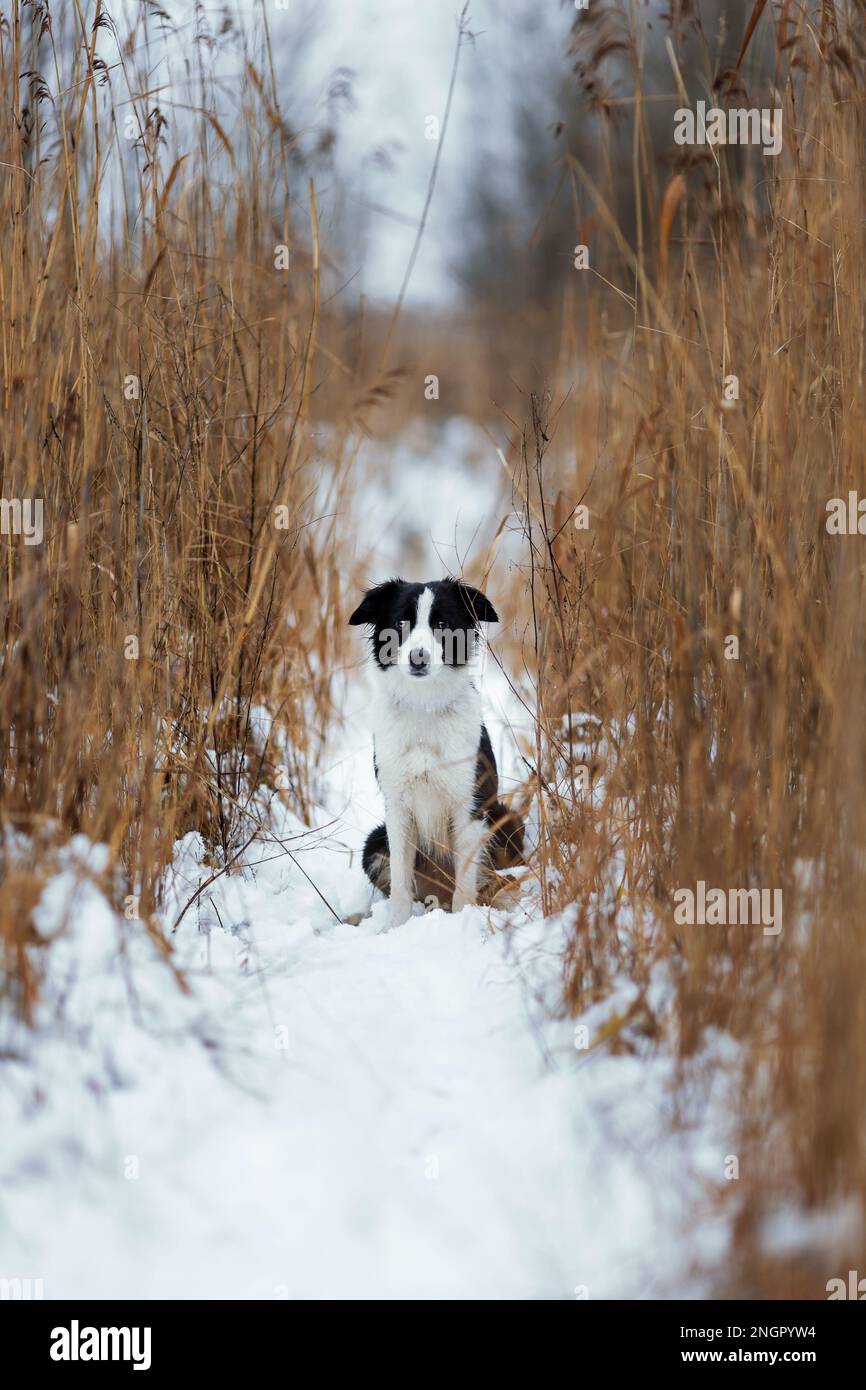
(419, 662)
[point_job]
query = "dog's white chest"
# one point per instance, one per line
(409, 756)
(423, 761)
(426, 762)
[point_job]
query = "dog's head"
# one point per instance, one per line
(424, 634)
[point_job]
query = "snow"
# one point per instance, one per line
(333, 1111)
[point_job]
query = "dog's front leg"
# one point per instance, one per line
(402, 851)
(469, 836)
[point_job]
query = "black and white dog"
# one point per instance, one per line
(445, 831)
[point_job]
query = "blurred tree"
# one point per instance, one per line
(576, 89)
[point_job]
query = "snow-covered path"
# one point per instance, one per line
(333, 1111)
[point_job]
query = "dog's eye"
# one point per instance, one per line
(439, 625)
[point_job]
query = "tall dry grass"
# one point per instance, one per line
(164, 653)
(707, 521)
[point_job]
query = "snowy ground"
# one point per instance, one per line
(333, 1110)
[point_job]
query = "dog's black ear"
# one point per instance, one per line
(477, 603)
(375, 603)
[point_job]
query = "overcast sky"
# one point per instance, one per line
(400, 54)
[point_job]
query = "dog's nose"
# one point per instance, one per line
(419, 661)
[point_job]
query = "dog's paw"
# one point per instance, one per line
(462, 900)
(399, 911)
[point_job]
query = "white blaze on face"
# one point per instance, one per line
(421, 634)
